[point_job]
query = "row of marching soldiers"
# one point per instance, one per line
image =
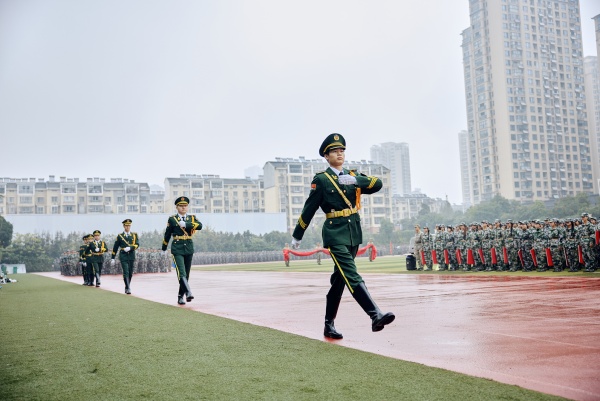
(552, 244)
(91, 255)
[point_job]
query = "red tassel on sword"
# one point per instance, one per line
(597, 237)
(480, 251)
(422, 257)
(549, 260)
(533, 257)
(494, 257)
(470, 258)
(446, 257)
(566, 257)
(580, 254)
(505, 255)
(434, 257)
(520, 253)
(458, 257)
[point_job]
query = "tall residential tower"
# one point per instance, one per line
(526, 107)
(394, 156)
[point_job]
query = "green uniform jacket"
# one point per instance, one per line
(92, 255)
(82, 252)
(181, 246)
(324, 195)
(123, 242)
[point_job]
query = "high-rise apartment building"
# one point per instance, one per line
(287, 185)
(592, 93)
(465, 171)
(394, 156)
(528, 133)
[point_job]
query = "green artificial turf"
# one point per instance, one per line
(62, 341)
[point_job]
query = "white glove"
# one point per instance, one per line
(295, 243)
(347, 179)
(97, 249)
(181, 223)
(84, 264)
(126, 249)
(112, 262)
(165, 253)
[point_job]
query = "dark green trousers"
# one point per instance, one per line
(127, 265)
(344, 272)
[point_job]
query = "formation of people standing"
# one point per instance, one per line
(536, 245)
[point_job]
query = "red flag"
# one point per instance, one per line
(422, 257)
(505, 254)
(533, 257)
(446, 257)
(549, 260)
(434, 257)
(494, 257)
(458, 257)
(470, 258)
(597, 237)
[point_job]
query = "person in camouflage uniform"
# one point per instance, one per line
(596, 246)
(418, 247)
(570, 243)
(539, 246)
(525, 238)
(485, 235)
(461, 243)
(511, 243)
(497, 233)
(475, 246)
(553, 238)
(450, 248)
(587, 240)
(439, 245)
(427, 239)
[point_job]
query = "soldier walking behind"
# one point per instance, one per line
(181, 227)
(96, 250)
(127, 242)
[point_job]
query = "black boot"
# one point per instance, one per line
(180, 299)
(379, 319)
(97, 279)
(183, 283)
(330, 330)
(127, 290)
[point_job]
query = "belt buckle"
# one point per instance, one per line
(346, 212)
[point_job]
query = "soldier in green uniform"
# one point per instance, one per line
(128, 242)
(181, 227)
(82, 257)
(337, 192)
(96, 250)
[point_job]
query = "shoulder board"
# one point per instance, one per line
(320, 172)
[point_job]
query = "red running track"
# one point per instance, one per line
(538, 333)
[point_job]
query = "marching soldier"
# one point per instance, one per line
(182, 226)
(127, 242)
(587, 242)
(450, 248)
(337, 192)
(82, 256)
(96, 250)
(461, 240)
(570, 247)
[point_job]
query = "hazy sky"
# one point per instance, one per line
(144, 89)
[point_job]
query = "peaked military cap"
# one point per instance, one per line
(97, 232)
(90, 236)
(182, 200)
(85, 237)
(333, 141)
(127, 222)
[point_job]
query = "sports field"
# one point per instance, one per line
(70, 342)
